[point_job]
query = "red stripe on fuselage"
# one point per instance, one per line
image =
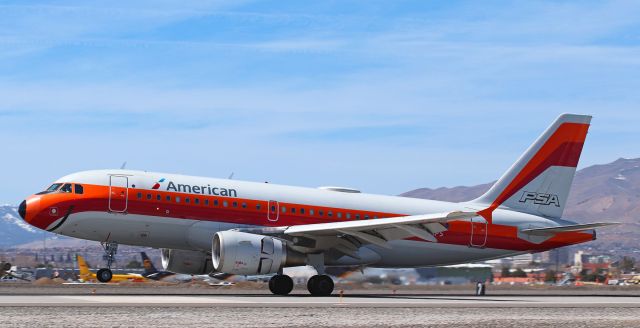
(96, 199)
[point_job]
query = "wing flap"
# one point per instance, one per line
(567, 228)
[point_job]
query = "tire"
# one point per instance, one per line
(320, 285)
(281, 284)
(104, 275)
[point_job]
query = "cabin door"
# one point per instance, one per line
(273, 212)
(118, 193)
(478, 232)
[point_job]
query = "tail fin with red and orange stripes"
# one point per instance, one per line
(539, 182)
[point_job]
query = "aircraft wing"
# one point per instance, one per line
(17, 276)
(422, 226)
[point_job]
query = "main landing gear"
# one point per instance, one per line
(281, 284)
(318, 285)
(110, 250)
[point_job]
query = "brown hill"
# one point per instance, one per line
(609, 192)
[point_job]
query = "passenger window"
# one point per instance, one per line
(66, 188)
(302, 211)
(187, 200)
(148, 196)
(293, 210)
(168, 198)
(339, 215)
(357, 216)
(139, 195)
(158, 197)
(311, 212)
(215, 202)
(78, 189)
(283, 209)
(244, 205)
(375, 217)
(196, 200)
(225, 204)
(348, 215)
(258, 206)
(321, 213)
(235, 204)
(177, 199)
(329, 214)
(366, 217)
(206, 202)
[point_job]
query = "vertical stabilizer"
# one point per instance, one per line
(83, 268)
(539, 181)
(149, 268)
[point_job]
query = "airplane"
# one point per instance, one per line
(206, 225)
(87, 275)
(151, 272)
(8, 272)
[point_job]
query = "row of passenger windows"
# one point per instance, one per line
(188, 200)
(339, 215)
(283, 209)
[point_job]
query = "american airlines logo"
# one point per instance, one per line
(157, 185)
(540, 198)
(194, 189)
(202, 190)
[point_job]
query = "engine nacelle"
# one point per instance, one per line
(242, 253)
(186, 262)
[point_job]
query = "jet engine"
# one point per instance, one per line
(186, 262)
(242, 253)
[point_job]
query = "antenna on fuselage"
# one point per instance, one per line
(231, 176)
(123, 165)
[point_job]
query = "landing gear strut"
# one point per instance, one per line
(281, 284)
(320, 285)
(110, 250)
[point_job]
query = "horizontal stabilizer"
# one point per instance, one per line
(567, 228)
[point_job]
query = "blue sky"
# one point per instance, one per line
(385, 96)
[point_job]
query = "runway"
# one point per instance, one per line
(351, 310)
(304, 301)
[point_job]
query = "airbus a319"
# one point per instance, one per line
(206, 225)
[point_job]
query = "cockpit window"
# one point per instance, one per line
(78, 189)
(51, 189)
(66, 187)
(54, 187)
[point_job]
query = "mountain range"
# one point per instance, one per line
(14, 231)
(608, 192)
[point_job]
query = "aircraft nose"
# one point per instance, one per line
(22, 209)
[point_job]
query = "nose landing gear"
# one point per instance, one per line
(110, 250)
(104, 275)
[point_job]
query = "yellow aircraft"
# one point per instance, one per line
(101, 275)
